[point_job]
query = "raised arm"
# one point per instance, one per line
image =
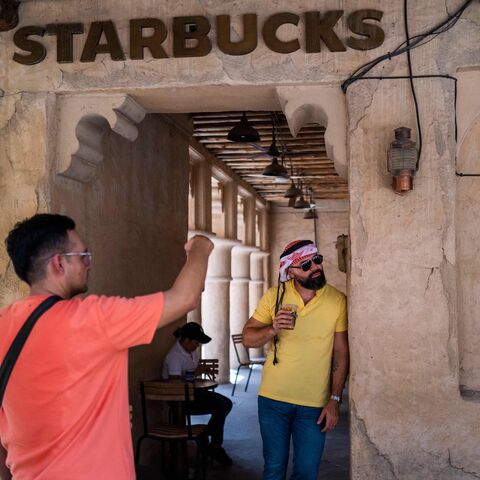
(184, 295)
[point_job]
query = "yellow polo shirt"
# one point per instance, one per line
(302, 374)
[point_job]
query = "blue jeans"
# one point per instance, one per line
(279, 421)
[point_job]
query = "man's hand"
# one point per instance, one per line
(199, 241)
(283, 319)
(331, 415)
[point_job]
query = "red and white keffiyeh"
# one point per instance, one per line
(295, 257)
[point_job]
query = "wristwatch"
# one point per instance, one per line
(337, 398)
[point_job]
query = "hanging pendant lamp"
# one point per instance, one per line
(292, 192)
(301, 203)
(275, 169)
(243, 132)
(291, 201)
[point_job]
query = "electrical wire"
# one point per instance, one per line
(415, 42)
(412, 86)
(450, 77)
(405, 47)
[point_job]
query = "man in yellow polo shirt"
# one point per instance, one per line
(307, 364)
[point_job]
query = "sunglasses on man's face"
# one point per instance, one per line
(307, 264)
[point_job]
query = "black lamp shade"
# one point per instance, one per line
(301, 203)
(274, 169)
(292, 192)
(243, 132)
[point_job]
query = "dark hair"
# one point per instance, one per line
(178, 333)
(30, 241)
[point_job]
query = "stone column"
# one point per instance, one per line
(249, 214)
(264, 231)
(202, 189)
(264, 244)
(256, 287)
(230, 208)
(239, 293)
(215, 306)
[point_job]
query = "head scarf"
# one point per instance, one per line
(294, 253)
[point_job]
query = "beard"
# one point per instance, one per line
(314, 283)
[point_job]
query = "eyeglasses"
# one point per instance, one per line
(85, 256)
(307, 264)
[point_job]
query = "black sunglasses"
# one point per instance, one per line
(306, 265)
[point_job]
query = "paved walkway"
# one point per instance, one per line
(244, 445)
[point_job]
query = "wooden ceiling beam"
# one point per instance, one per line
(280, 138)
(201, 131)
(320, 177)
(293, 144)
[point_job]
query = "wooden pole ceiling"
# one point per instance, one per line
(305, 154)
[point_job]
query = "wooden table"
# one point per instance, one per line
(204, 384)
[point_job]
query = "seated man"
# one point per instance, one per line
(184, 356)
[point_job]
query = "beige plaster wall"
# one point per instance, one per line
(408, 419)
(133, 216)
(24, 151)
(290, 225)
(198, 81)
(261, 66)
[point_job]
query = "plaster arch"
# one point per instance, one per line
(324, 105)
(83, 121)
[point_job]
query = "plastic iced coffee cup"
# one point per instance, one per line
(289, 307)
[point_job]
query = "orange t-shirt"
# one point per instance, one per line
(65, 410)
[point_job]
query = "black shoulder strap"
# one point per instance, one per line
(18, 342)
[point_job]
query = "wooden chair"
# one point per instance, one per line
(244, 360)
(212, 364)
(179, 430)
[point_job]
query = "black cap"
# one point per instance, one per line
(193, 331)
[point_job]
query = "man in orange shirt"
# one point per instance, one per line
(65, 410)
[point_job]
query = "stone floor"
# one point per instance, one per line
(243, 442)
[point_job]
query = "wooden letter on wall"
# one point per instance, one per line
(270, 27)
(153, 42)
(198, 28)
(93, 46)
(321, 28)
(373, 33)
(250, 36)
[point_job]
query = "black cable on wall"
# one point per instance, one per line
(405, 47)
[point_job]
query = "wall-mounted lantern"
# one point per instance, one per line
(8, 14)
(402, 161)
